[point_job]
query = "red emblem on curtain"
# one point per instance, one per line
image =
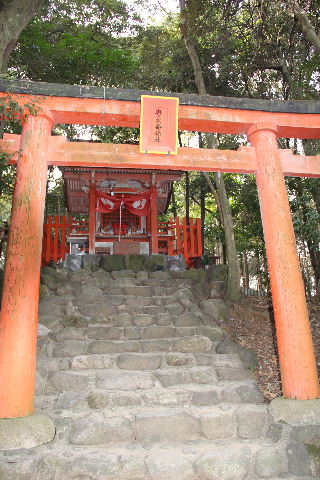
(138, 204)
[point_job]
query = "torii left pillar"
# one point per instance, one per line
(20, 299)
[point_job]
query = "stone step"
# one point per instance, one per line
(154, 282)
(192, 460)
(242, 391)
(191, 344)
(184, 344)
(224, 363)
(121, 379)
(130, 296)
(115, 274)
(121, 314)
(175, 425)
(140, 291)
(135, 332)
(176, 376)
(155, 309)
(115, 387)
(125, 282)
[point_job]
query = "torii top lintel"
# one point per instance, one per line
(89, 105)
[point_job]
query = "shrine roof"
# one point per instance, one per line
(77, 181)
(126, 171)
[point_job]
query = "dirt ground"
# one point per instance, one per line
(252, 326)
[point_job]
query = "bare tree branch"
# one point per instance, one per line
(307, 26)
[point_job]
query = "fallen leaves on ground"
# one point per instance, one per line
(252, 325)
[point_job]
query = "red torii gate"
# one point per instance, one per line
(262, 121)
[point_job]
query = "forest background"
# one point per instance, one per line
(257, 49)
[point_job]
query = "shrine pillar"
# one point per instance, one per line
(20, 299)
(295, 345)
(92, 219)
(154, 217)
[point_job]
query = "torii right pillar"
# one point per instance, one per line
(295, 345)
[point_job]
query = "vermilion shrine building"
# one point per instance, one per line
(262, 121)
(123, 207)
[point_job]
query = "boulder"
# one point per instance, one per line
(26, 432)
(216, 309)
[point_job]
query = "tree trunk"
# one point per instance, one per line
(307, 26)
(259, 275)
(245, 270)
(313, 247)
(233, 287)
(174, 203)
(306, 272)
(15, 15)
(315, 262)
(315, 192)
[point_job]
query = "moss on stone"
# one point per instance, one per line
(154, 263)
(313, 448)
(113, 262)
(135, 262)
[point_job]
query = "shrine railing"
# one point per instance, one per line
(174, 237)
(56, 231)
(180, 237)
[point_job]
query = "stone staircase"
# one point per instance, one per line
(128, 370)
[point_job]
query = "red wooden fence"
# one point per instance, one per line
(181, 238)
(55, 233)
(174, 237)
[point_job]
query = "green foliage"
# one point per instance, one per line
(116, 134)
(5, 209)
(78, 42)
(55, 199)
(11, 114)
(12, 111)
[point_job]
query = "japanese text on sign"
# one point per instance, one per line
(158, 126)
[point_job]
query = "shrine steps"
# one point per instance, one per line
(128, 369)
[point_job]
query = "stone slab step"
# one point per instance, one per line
(133, 380)
(135, 332)
(186, 394)
(197, 375)
(154, 282)
(108, 389)
(242, 391)
(185, 344)
(170, 425)
(143, 361)
(198, 460)
(125, 282)
(140, 291)
(191, 344)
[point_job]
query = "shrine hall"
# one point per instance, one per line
(122, 210)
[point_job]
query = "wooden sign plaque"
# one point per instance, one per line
(159, 125)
